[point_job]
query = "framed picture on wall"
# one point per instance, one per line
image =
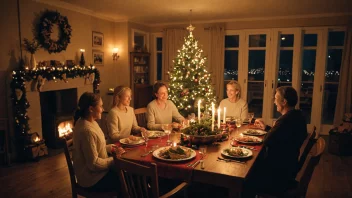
(97, 39)
(98, 58)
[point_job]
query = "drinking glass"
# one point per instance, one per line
(145, 135)
(203, 150)
(250, 117)
(238, 123)
(167, 129)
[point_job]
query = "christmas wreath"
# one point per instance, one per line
(45, 28)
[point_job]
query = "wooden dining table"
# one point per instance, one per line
(216, 172)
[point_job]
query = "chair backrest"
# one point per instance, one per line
(305, 175)
(70, 166)
(306, 147)
(141, 116)
(137, 180)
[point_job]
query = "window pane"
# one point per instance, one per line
(336, 38)
(257, 40)
(232, 41)
(310, 40)
(159, 44)
(159, 59)
(308, 65)
(231, 65)
(329, 102)
(285, 66)
(332, 73)
(306, 93)
(255, 98)
(256, 65)
(286, 40)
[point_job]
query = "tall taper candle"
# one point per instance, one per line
(219, 118)
(212, 116)
(199, 111)
(223, 121)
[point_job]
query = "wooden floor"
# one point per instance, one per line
(49, 178)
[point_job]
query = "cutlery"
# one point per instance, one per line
(193, 164)
(247, 147)
(230, 160)
(147, 153)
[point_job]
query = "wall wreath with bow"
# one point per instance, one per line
(45, 28)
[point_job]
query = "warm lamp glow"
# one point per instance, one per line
(82, 50)
(115, 55)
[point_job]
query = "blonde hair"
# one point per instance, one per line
(237, 87)
(118, 92)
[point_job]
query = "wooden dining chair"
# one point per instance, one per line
(139, 181)
(306, 147)
(76, 188)
(141, 116)
(304, 176)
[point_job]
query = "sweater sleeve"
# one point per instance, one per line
(90, 153)
(113, 126)
(274, 134)
(151, 118)
(244, 109)
(175, 114)
(135, 127)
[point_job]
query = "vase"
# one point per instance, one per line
(33, 63)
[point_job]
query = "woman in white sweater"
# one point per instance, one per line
(121, 120)
(235, 105)
(90, 154)
(161, 110)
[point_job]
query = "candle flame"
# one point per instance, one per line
(37, 139)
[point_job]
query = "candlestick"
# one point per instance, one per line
(199, 111)
(219, 118)
(223, 121)
(212, 116)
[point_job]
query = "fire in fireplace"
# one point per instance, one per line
(57, 108)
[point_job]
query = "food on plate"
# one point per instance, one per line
(132, 139)
(253, 132)
(253, 126)
(250, 139)
(176, 152)
(237, 152)
(155, 134)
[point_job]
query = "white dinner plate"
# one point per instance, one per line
(156, 134)
(243, 139)
(157, 151)
(246, 152)
(254, 132)
(126, 141)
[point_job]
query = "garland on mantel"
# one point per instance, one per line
(18, 88)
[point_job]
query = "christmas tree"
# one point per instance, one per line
(189, 79)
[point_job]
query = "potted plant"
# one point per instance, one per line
(31, 47)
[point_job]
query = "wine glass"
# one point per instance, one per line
(145, 135)
(167, 129)
(238, 123)
(250, 117)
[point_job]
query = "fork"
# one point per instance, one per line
(230, 160)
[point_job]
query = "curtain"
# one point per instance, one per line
(172, 41)
(216, 59)
(344, 95)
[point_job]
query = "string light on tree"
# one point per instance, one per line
(186, 88)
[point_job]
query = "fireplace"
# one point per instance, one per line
(57, 110)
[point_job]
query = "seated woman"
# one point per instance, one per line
(121, 120)
(161, 110)
(235, 105)
(91, 162)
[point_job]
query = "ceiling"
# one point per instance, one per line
(158, 12)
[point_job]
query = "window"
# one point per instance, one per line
(232, 43)
(159, 57)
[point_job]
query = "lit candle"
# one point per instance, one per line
(223, 121)
(199, 111)
(82, 50)
(219, 118)
(212, 116)
(174, 144)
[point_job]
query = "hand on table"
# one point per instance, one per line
(259, 123)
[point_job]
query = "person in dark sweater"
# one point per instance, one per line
(277, 165)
